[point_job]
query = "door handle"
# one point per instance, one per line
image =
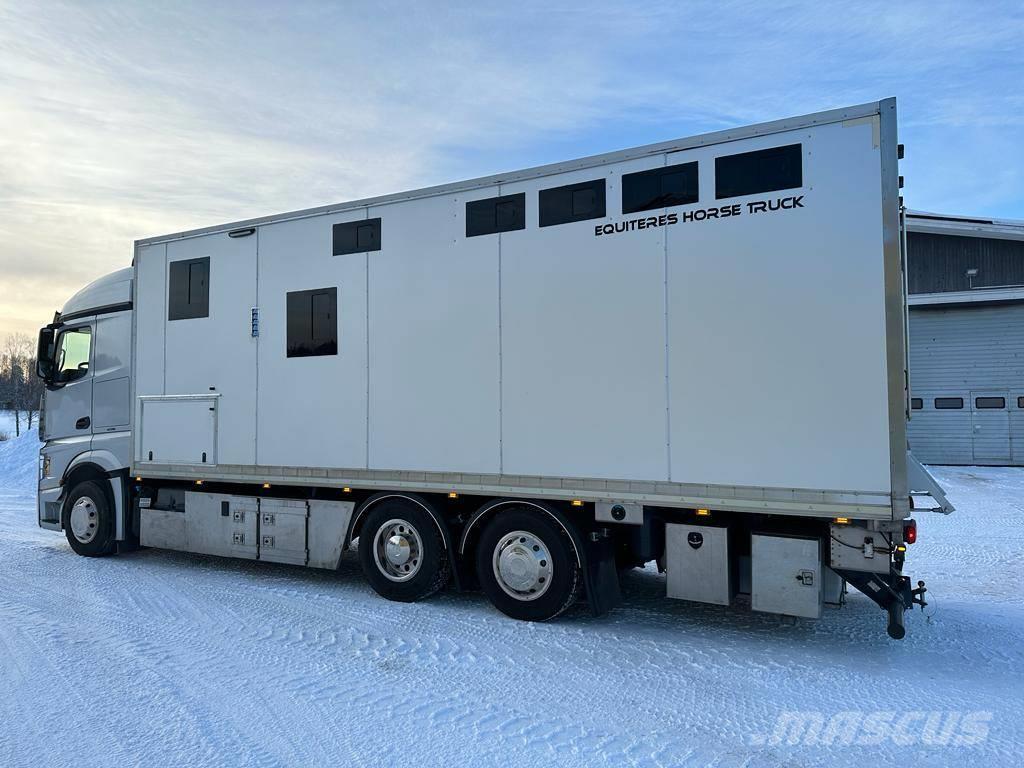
(83, 423)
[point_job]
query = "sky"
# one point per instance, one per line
(121, 121)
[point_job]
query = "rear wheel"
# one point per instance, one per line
(89, 520)
(526, 565)
(401, 551)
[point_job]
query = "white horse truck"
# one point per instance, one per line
(692, 353)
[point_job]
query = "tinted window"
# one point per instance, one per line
(1020, 402)
(763, 171)
(949, 403)
(356, 237)
(73, 354)
(312, 322)
(989, 402)
(574, 202)
(916, 403)
(659, 188)
(496, 214)
(189, 289)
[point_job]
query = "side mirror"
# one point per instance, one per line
(44, 354)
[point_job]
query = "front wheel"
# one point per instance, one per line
(89, 520)
(527, 566)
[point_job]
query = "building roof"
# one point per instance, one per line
(966, 226)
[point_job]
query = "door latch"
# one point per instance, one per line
(83, 423)
(806, 578)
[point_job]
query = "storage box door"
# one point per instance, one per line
(786, 575)
(211, 291)
(283, 531)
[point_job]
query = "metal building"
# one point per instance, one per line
(966, 296)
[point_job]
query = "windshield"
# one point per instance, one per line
(73, 354)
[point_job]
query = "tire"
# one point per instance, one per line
(542, 574)
(416, 537)
(89, 520)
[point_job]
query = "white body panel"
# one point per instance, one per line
(751, 362)
(312, 410)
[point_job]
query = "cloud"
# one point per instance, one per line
(120, 121)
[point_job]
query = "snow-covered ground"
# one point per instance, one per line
(174, 659)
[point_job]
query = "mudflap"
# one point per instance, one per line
(892, 593)
(602, 576)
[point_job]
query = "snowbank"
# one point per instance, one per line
(19, 462)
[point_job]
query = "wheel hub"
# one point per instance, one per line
(85, 519)
(398, 550)
(522, 565)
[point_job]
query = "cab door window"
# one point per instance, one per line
(73, 354)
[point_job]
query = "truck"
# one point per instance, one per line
(691, 353)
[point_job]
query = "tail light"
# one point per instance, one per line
(910, 531)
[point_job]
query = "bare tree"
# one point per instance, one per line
(19, 387)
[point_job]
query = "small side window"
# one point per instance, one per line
(356, 237)
(73, 355)
(949, 403)
(996, 403)
(659, 188)
(496, 214)
(1020, 402)
(189, 289)
(312, 322)
(765, 170)
(916, 403)
(573, 202)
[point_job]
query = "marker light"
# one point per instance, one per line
(901, 548)
(199, 482)
(910, 531)
(138, 479)
(266, 485)
(842, 521)
(703, 513)
(577, 502)
(453, 495)
(346, 489)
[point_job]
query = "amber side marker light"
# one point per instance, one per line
(453, 495)
(577, 502)
(703, 513)
(199, 482)
(842, 521)
(266, 485)
(346, 489)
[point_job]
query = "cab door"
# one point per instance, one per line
(69, 399)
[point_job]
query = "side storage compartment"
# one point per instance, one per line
(162, 528)
(697, 562)
(219, 524)
(177, 429)
(786, 575)
(283, 531)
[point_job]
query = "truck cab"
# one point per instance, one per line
(84, 360)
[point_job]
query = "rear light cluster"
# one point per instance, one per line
(910, 531)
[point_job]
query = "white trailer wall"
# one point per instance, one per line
(734, 355)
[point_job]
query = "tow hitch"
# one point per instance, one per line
(892, 593)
